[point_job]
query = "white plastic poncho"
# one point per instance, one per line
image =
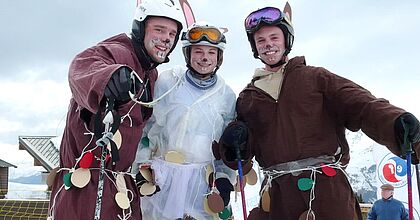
(187, 120)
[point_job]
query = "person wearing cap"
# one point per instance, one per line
(116, 74)
(387, 207)
(293, 117)
(177, 141)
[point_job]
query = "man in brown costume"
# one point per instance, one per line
(292, 118)
(110, 71)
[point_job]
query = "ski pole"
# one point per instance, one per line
(103, 142)
(408, 149)
(241, 177)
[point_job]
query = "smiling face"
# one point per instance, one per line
(386, 193)
(203, 59)
(270, 44)
(159, 37)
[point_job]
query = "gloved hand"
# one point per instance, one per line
(224, 187)
(413, 128)
(235, 136)
(119, 85)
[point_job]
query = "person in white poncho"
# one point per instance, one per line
(177, 142)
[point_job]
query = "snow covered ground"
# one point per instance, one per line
(26, 191)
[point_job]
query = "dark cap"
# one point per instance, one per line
(387, 187)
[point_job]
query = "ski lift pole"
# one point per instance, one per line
(408, 150)
(241, 178)
(103, 143)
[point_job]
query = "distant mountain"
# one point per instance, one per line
(32, 179)
(362, 167)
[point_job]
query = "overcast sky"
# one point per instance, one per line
(374, 43)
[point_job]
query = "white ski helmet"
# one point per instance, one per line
(203, 33)
(159, 8)
(155, 8)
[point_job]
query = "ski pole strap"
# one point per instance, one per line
(104, 137)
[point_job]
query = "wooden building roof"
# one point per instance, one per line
(42, 149)
(6, 164)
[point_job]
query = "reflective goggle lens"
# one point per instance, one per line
(268, 15)
(212, 34)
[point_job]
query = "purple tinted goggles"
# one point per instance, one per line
(269, 15)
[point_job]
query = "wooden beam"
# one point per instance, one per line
(37, 162)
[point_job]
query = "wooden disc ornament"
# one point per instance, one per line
(305, 184)
(329, 171)
(67, 181)
(121, 185)
(122, 200)
(209, 171)
(80, 177)
(265, 201)
(307, 215)
(175, 157)
(117, 138)
(51, 176)
(147, 189)
(86, 160)
(251, 177)
(146, 172)
(215, 202)
(226, 213)
(206, 207)
(237, 186)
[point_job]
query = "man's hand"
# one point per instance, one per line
(235, 137)
(407, 122)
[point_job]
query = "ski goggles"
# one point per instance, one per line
(196, 34)
(269, 15)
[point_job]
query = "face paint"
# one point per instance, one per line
(271, 53)
(161, 48)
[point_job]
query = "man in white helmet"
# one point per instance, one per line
(100, 77)
(177, 141)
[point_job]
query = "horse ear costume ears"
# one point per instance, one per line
(223, 29)
(288, 11)
(188, 13)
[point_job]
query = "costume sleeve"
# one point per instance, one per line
(357, 108)
(89, 73)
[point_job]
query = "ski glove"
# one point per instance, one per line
(224, 187)
(235, 137)
(413, 128)
(121, 83)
